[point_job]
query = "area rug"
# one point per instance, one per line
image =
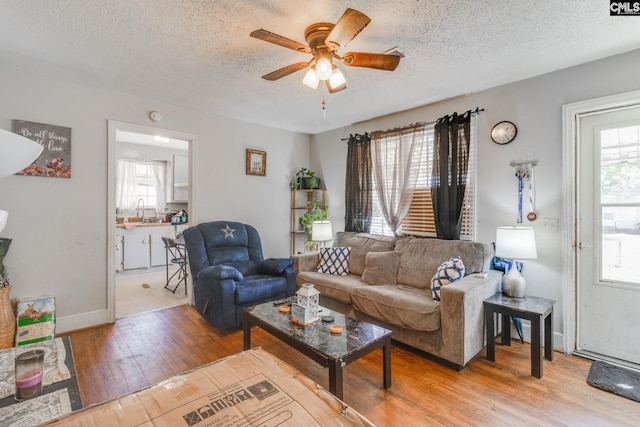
(60, 394)
(615, 379)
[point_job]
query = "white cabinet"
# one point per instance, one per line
(118, 253)
(142, 247)
(158, 254)
(180, 185)
(136, 251)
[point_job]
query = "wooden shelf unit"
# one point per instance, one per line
(299, 205)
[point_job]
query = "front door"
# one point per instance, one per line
(608, 294)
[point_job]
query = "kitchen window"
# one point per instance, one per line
(140, 184)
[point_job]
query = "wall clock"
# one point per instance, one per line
(503, 132)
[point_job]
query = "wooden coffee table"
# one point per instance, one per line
(316, 342)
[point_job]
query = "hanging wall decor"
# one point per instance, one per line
(256, 162)
(524, 174)
(55, 159)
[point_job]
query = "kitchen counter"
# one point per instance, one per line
(147, 224)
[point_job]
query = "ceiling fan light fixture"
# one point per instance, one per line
(337, 78)
(311, 79)
(323, 69)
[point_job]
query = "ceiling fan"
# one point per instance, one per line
(324, 40)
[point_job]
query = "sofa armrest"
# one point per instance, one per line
(306, 262)
(462, 315)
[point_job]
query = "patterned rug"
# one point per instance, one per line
(60, 393)
(615, 379)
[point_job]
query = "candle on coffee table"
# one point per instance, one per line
(29, 368)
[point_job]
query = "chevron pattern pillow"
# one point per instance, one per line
(334, 261)
(448, 272)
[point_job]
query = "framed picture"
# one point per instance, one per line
(256, 162)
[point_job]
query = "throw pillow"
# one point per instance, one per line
(381, 268)
(448, 272)
(334, 261)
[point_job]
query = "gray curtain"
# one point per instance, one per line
(396, 166)
(449, 175)
(358, 208)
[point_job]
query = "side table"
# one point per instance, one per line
(531, 308)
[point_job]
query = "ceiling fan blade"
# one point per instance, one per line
(338, 89)
(274, 38)
(285, 71)
(379, 61)
(347, 28)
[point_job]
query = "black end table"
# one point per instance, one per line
(531, 308)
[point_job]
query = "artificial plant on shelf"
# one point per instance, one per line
(314, 213)
(307, 179)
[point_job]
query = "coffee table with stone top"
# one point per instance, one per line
(358, 338)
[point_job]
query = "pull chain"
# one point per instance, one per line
(324, 108)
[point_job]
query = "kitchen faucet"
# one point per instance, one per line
(138, 208)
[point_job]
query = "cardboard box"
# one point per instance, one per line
(252, 388)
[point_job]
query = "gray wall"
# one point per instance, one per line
(535, 106)
(59, 226)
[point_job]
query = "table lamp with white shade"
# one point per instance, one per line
(321, 231)
(515, 243)
(16, 153)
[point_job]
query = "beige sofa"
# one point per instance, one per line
(389, 284)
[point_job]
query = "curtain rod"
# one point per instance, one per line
(478, 110)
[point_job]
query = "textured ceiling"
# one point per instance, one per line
(199, 54)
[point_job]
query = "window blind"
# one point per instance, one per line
(420, 218)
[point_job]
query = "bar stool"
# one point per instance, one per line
(176, 254)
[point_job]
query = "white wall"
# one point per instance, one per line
(59, 226)
(535, 106)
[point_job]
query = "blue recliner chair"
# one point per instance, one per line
(229, 272)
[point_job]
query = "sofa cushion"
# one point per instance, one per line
(336, 287)
(361, 244)
(421, 257)
(334, 261)
(380, 268)
(448, 272)
(400, 305)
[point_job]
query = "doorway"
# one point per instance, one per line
(607, 230)
(609, 233)
(161, 161)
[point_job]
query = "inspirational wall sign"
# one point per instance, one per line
(55, 159)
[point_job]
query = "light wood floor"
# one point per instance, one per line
(141, 350)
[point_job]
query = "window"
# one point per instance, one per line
(140, 183)
(420, 218)
(146, 188)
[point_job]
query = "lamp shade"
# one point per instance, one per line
(337, 79)
(16, 152)
(516, 243)
(311, 79)
(3, 219)
(321, 231)
(323, 68)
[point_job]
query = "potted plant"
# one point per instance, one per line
(307, 180)
(314, 213)
(7, 318)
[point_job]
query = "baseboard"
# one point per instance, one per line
(82, 321)
(526, 331)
